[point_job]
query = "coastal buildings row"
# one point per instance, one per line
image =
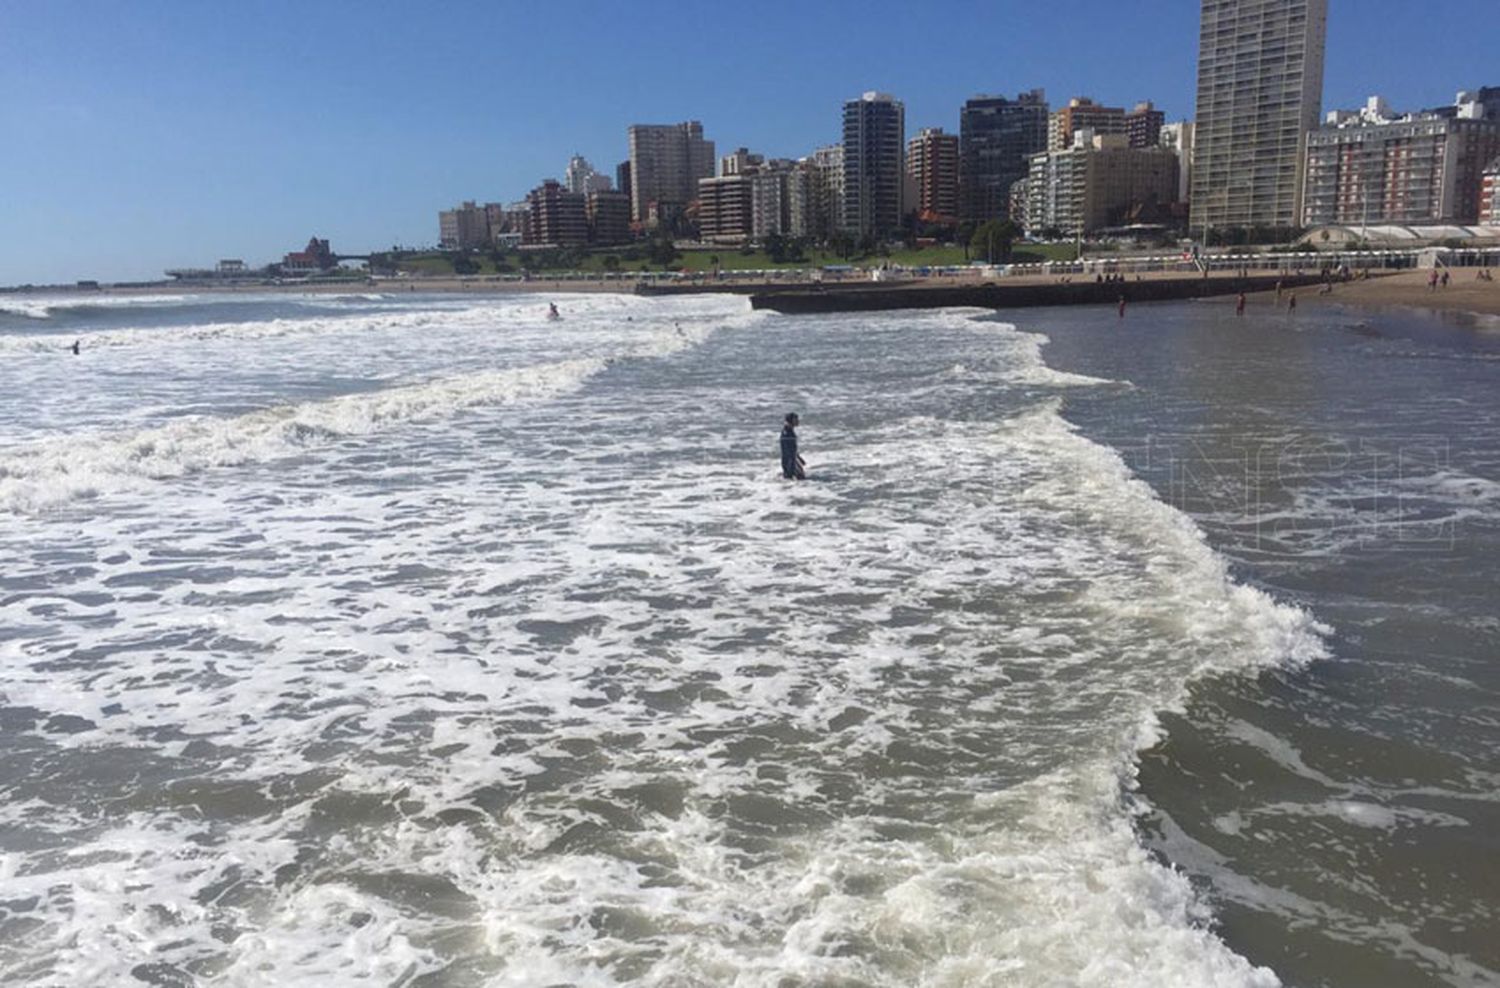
(1141, 126)
(753, 198)
(1254, 158)
(551, 215)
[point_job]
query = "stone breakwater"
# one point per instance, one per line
(1000, 295)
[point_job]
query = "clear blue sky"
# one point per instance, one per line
(137, 136)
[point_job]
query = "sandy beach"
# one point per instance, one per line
(1465, 293)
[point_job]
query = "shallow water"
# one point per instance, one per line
(1342, 818)
(420, 641)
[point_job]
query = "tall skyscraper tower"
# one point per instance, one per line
(996, 139)
(666, 161)
(1260, 89)
(874, 132)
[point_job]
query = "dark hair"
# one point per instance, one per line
(791, 416)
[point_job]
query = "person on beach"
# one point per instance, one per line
(793, 467)
(1122, 306)
(1239, 305)
(1432, 281)
(1291, 302)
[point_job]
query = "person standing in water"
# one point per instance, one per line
(75, 347)
(792, 465)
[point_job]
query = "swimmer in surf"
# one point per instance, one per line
(793, 467)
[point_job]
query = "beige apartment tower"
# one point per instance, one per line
(666, 162)
(1260, 90)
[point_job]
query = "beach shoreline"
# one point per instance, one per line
(1465, 293)
(1406, 290)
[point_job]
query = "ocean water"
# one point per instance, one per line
(416, 640)
(1343, 817)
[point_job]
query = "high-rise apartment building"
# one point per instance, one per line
(815, 193)
(1082, 113)
(770, 199)
(874, 135)
(1260, 87)
(749, 200)
(608, 212)
(666, 162)
(724, 209)
(1372, 166)
(996, 139)
(464, 227)
(622, 181)
(1143, 125)
(932, 168)
(558, 218)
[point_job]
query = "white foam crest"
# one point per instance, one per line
(581, 313)
(45, 307)
(1252, 629)
(476, 317)
(54, 471)
(1033, 368)
(31, 309)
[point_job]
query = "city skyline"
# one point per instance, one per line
(160, 137)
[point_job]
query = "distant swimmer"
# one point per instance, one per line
(793, 467)
(74, 347)
(552, 312)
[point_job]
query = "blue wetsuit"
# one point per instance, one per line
(791, 463)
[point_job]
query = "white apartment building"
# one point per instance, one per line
(581, 177)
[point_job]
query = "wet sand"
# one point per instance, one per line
(1465, 293)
